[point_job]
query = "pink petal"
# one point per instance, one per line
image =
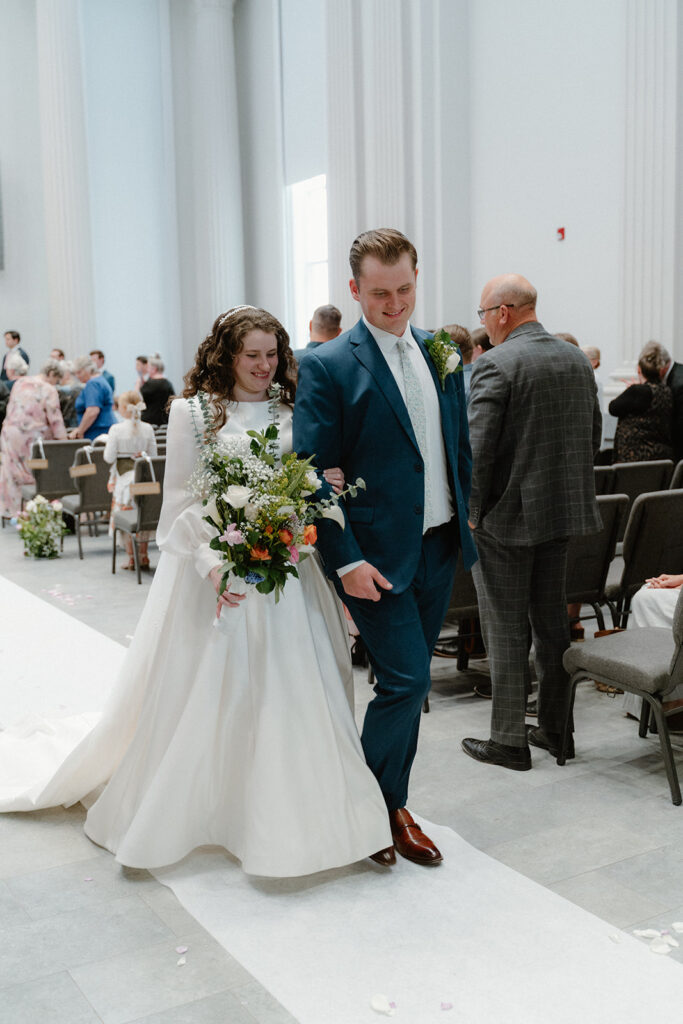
(181, 949)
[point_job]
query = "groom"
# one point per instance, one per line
(371, 402)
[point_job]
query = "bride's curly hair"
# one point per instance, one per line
(213, 371)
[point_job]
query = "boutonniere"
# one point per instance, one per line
(445, 355)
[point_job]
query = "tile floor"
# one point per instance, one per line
(84, 940)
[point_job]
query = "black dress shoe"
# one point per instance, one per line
(532, 707)
(490, 752)
(549, 741)
(484, 689)
(385, 857)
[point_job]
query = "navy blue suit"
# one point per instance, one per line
(350, 413)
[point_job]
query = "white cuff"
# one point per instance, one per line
(347, 568)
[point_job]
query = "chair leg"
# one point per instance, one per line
(425, 706)
(600, 618)
(113, 552)
(667, 753)
(136, 558)
(644, 720)
(371, 674)
(77, 524)
(625, 612)
(564, 740)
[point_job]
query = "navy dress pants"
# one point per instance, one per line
(400, 631)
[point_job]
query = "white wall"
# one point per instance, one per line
(23, 282)
(132, 183)
(257, 40)
(547, 117)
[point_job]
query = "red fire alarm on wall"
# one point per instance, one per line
(560, 234)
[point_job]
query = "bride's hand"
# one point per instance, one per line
(335, 477)
(226, 598)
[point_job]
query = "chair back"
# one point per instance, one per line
(53, 480)
(676, 669)
(634, 478)
(463, 603)
(604, 479)
(92, 488)
(653, 541)
(148, 471)
(677, 477)
(589, 557)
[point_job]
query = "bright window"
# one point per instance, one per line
(308, 284)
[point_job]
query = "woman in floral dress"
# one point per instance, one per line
(32, 411)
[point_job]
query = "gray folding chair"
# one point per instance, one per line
(49, 462)
(148, 491)
(589, 557)
(634, 478)
(604, 479)
(677, 477)
(458, 633)
(647, 662)
(91, 505)
(653, 544)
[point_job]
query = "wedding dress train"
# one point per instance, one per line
(240, 736)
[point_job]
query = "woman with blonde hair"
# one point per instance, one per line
(126, 442)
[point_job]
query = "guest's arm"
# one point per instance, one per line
(635, 399)
(53, 415)
(88, 418)
(489, 393)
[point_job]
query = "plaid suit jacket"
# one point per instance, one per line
(535, 427)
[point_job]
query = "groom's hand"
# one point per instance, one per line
(363, 582)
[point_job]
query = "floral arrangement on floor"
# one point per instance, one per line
(258, 503)
(41, 527)
(445, 355)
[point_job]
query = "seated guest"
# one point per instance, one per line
(156, 392)
(653, 605)
(142, 370)
(480, 342)
(463, 339)
(126, 441)
(645, 413)
(569, 338)
(32, 411)
(325, 325)
(95, 404)
(69, 390)
(12, 339)
(97, 356)
(58, 354)
(15, 366)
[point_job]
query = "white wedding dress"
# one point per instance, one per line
(240, 736)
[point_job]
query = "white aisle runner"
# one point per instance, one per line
(470, 940)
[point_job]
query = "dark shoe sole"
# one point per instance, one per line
(385, 858)
(554, 751)
(502, 760)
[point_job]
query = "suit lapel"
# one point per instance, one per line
(445, 396)
(367, 351)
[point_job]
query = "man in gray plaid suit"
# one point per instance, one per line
(534, 428)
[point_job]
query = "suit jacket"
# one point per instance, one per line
(20, 352)
(535, 427)
(349, 412)
(675, 382)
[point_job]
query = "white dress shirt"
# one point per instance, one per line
(436, 467)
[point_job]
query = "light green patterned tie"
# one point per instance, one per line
(416, 410)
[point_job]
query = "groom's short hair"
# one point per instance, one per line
(385, 244)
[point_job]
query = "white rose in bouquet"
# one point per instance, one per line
(237, 496)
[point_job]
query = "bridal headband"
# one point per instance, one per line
(231, 312)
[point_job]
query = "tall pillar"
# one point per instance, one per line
(649, 278)
(219, 256)
(389, 64)
(65, 176)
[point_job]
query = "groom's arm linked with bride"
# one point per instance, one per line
(373, 403)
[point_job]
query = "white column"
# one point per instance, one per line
(650, 167)
(389, 62)
(218, 246)
(65, 176)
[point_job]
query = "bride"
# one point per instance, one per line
(240, 736)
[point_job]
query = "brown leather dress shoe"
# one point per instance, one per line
(385, 857)
(410, 840)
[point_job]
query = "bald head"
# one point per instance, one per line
(508, 301)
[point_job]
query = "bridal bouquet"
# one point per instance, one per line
(258, 503)
(41, 527)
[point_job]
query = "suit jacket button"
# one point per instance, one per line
(418, 510)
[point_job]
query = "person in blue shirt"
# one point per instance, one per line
(95, 404)
(97, 356)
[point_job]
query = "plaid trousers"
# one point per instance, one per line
(518, 586)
